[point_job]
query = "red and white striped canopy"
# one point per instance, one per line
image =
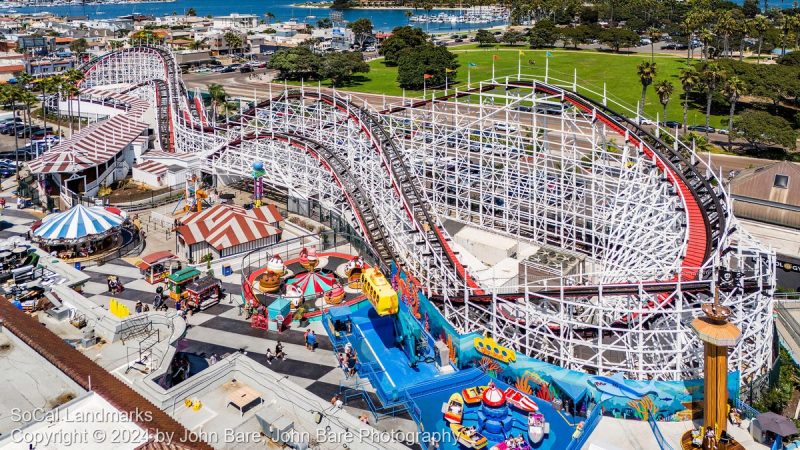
(92, 146)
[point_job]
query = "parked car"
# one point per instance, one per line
(671, 124)
(702, 129)
(723, 131)
(12, 128)
(670, 46)
(43, 134)
(246, 68)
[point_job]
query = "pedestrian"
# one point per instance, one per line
(146, 308)
(2, 203)
(364, 419)
(335, 399)
(351, 364)
(138, 307)
(279, 351)
(305, 338)
(270, 356)
(311, 341)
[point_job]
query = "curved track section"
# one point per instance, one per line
(644, 218)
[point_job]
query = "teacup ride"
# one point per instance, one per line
(308, 258)
(294, 295)
(335, 295)
(270, 282)
(353, 270)
(276, 265)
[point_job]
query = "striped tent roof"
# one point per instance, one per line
(77, 222)
(95, 144)
(152, 167)
(225, 226)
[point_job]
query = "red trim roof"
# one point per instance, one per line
(224, 226)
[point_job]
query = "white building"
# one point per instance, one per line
(236, 21)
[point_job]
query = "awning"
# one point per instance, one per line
(76, 223)
(572, 383)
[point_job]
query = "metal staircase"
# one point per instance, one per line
(136, 326)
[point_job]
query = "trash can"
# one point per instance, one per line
(226, 270)
(78, 265)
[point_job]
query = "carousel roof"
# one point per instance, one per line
(313, 284)
(77, 222)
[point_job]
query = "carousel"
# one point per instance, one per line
(80, 233)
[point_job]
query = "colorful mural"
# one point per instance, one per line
(617, 396)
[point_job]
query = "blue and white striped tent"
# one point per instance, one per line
(77, 222)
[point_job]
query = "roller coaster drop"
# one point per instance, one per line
(652, 221)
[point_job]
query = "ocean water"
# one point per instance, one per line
(383, 20)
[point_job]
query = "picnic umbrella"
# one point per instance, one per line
(776, 423)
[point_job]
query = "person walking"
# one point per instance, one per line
(279, 351)
(311, 341)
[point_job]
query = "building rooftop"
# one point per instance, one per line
(225, 226)
(88, 375)
(30, 383)
(92, 146)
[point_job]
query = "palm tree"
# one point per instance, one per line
(725, 26)
(196, 45)
(73, 77)
(689, 79)
(733, 89)
(647, 72)
(9, 94)
(653, 33)
(664, 91)
(711, 75)
(46, 86)
(759, 26)
(58, 84)
(269, 16)
(408, 13)
(706, 35)
(24, 81)
(218, 97)
(28, 99)
(786, 26)
(234, 40)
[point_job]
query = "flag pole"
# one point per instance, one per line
(469, 77)
(492, 67)
(546, 67)
(519, 65)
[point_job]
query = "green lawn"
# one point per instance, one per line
(618, 71)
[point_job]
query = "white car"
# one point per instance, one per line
(502, 126)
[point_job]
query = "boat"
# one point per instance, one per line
(468, 436)
(537, 427)
(512, 443)
(488, 347)
(454, 408)
(473, 394)
(520, 401)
